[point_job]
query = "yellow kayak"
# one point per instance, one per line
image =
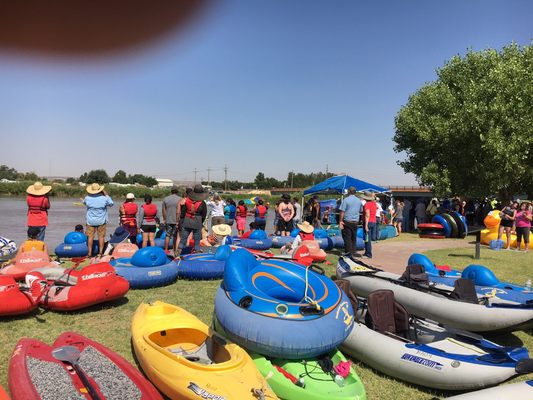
(187, 360)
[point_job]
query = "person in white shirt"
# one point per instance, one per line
(216, 206)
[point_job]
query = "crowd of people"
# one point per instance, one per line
(204, 216)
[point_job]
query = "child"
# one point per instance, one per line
(33, 243)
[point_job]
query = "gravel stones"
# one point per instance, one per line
(51, 380)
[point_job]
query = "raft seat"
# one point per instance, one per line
(385, 315)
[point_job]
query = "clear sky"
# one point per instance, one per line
(259, 85)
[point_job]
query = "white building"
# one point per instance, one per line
(161, 182)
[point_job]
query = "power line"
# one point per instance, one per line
(225, 177)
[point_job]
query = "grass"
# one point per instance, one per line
(109, 324)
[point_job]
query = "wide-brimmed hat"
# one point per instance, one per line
(94, 188)
(306, 227)
(198, 193)
(369, 196)
(222, 230)
(119, 235)
(38, 189)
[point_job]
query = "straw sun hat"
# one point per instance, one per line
(222, 230)
(306, 227)
(94, 188)
(38, 189)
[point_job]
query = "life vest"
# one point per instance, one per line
(130, 214)
(242, 211)
(306, 236)
(260, 211)
(191, 208)
(31, 244)
(36, 207)
(150, 211)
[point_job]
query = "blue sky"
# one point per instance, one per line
(259, 85)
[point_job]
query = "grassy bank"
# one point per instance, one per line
(110, 323)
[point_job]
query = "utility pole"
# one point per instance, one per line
(195, 172)
(327, 170)
(225, 177)
(292, 178)
(208, 175)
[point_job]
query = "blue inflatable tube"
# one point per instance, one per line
(72, 250)
(325, 243)
(149, 267)
(261, 305)
(439, 219)
(338, 242)
(280, 241)
(256, 244)
(158, 242)
(204, 266)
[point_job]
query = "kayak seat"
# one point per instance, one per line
(385, 315)
(344, 285)
(465, 291)
(415, 274)
(201, 354)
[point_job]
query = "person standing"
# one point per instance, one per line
(507, 215)
(97, 203)
(216, 205)
(229, 212)
(348, 220)
(407, 205)
(148, 221)
(195, 212)
(128, 216)
(398, 216)
(260, 212)
(241, 213)
(523, 225)
(379, 216)
(285, 211)
(369, 226)
(297, 211)
(420, 212)
(38, 205)
(169, 212)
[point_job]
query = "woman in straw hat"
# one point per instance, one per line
(306, 233)
(38, 205)
(218, 238)
(97, 203)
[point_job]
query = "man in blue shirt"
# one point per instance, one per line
(349, 212)
(97, 203)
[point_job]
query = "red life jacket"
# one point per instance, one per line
(130, 214)
(306, 236)
(242, 211)
(150, 211)
(37, 210)
(260, 211)
(191, 208)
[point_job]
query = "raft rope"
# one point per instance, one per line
(306, 297)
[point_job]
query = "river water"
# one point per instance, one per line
(63, 216)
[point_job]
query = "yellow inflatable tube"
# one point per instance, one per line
(186, 360)
(492, 222)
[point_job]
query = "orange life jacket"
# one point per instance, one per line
(130, 214)
(260, 211)
(191, 208)
(242, 211)
(306, 236)
(150, 211)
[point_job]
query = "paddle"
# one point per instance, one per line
(71, 355)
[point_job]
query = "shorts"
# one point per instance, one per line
(217, 220)
(241, 223)
(398, 219)
(148, 228)
(100, 230)
(285, 226)
(171, 230)
(523, 233)
(507, 223)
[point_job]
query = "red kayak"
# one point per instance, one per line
(26, 262)
(36, 372)
(76, 289)
(17, 300)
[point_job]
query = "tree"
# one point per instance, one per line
(8, 173)
(469, 132)
(29, 176)
(95, 176)
(120, 177)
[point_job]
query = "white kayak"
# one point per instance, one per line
(8, 249)
(436, 302)
(516, 391)
(426, 354)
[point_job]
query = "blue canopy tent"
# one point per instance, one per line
(339, 184)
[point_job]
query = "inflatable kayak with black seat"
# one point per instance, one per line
(457, 306)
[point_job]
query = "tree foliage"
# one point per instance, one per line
(95, 176)
(120, 177)
(299, 180)
(471, 131)
(13, 175)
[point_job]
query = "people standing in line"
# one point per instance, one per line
(230, 210)
(38, 206)
(369, 221)
(297, 211)
(216, 205)
(420, 212)
(194, 216)
(240, 215)
(407, 206)
(349, 212)
(169, 212)
(148, 221)
(398, 216)
(507, 219)
(97, 203)
(128, 216)
(285, 211)
(260, 213)
(523, 225)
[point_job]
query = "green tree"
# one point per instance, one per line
(120, 177)
(8, 173)
(29, 176)
(96, 176)
(470, 132)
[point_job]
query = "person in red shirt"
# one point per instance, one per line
(369, 225)
(38, 205)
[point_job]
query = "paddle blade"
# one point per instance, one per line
(69, 354)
